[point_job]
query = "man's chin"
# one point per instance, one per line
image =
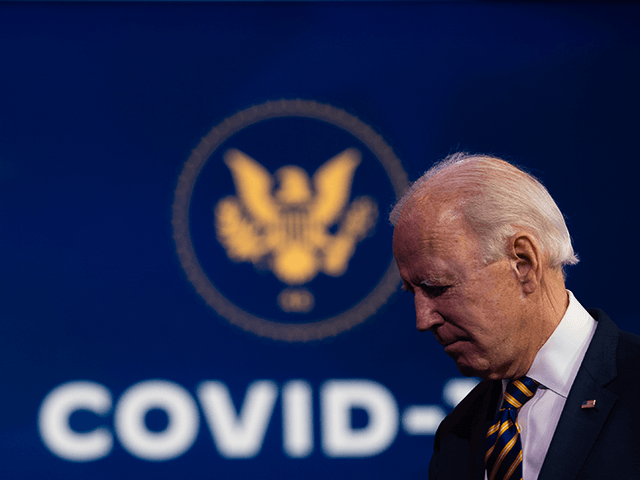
(483, 373)
(468, 369)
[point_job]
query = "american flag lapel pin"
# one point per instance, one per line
(588, 404)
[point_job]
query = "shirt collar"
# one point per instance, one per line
(557, 362)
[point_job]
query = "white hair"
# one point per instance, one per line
(498, 200)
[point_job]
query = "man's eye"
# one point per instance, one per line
(435, 291)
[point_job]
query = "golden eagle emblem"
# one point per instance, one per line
(285, 219)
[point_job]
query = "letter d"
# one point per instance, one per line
(338, 398)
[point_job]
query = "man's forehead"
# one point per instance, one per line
(432, 225)
(433, 208)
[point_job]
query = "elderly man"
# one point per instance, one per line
(482, 246)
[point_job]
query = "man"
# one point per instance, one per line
(482, 247)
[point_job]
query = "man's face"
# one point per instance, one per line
(477, 312)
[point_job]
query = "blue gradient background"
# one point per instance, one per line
(101, 104)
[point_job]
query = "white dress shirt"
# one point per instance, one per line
(555, 368)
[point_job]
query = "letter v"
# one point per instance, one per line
(238, 436)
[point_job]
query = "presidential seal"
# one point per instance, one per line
(276, 220)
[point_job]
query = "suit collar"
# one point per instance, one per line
(579, 428)
(557, 363)
(600, 360)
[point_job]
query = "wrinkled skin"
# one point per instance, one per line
(485, 316)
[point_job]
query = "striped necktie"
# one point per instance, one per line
(504, 449)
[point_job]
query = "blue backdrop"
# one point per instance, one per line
(102, 322)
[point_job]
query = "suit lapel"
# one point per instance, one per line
(579, 428)
(479, 433)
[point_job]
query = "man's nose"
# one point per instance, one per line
(426, 313)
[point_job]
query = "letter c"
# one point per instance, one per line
(53, 421)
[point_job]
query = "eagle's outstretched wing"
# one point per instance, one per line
(332, 182)
(239, 236)
(254, 186)
(358, 221)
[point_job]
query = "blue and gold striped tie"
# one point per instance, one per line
(504, 449)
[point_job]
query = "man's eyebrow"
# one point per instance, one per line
(434, 281)
(438, 280)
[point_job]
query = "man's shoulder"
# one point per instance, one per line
(469, 412)
(614, 357)
(627, 343)
(628, 361)
(610, 374)
(629, 347)
(459, 444)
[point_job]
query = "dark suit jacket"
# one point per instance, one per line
(598, 443)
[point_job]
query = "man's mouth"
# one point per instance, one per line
(452, 345)
(445, 342)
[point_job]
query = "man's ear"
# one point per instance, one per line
(526, 260)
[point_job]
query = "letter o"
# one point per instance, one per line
(53, 421)
(173, 441)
